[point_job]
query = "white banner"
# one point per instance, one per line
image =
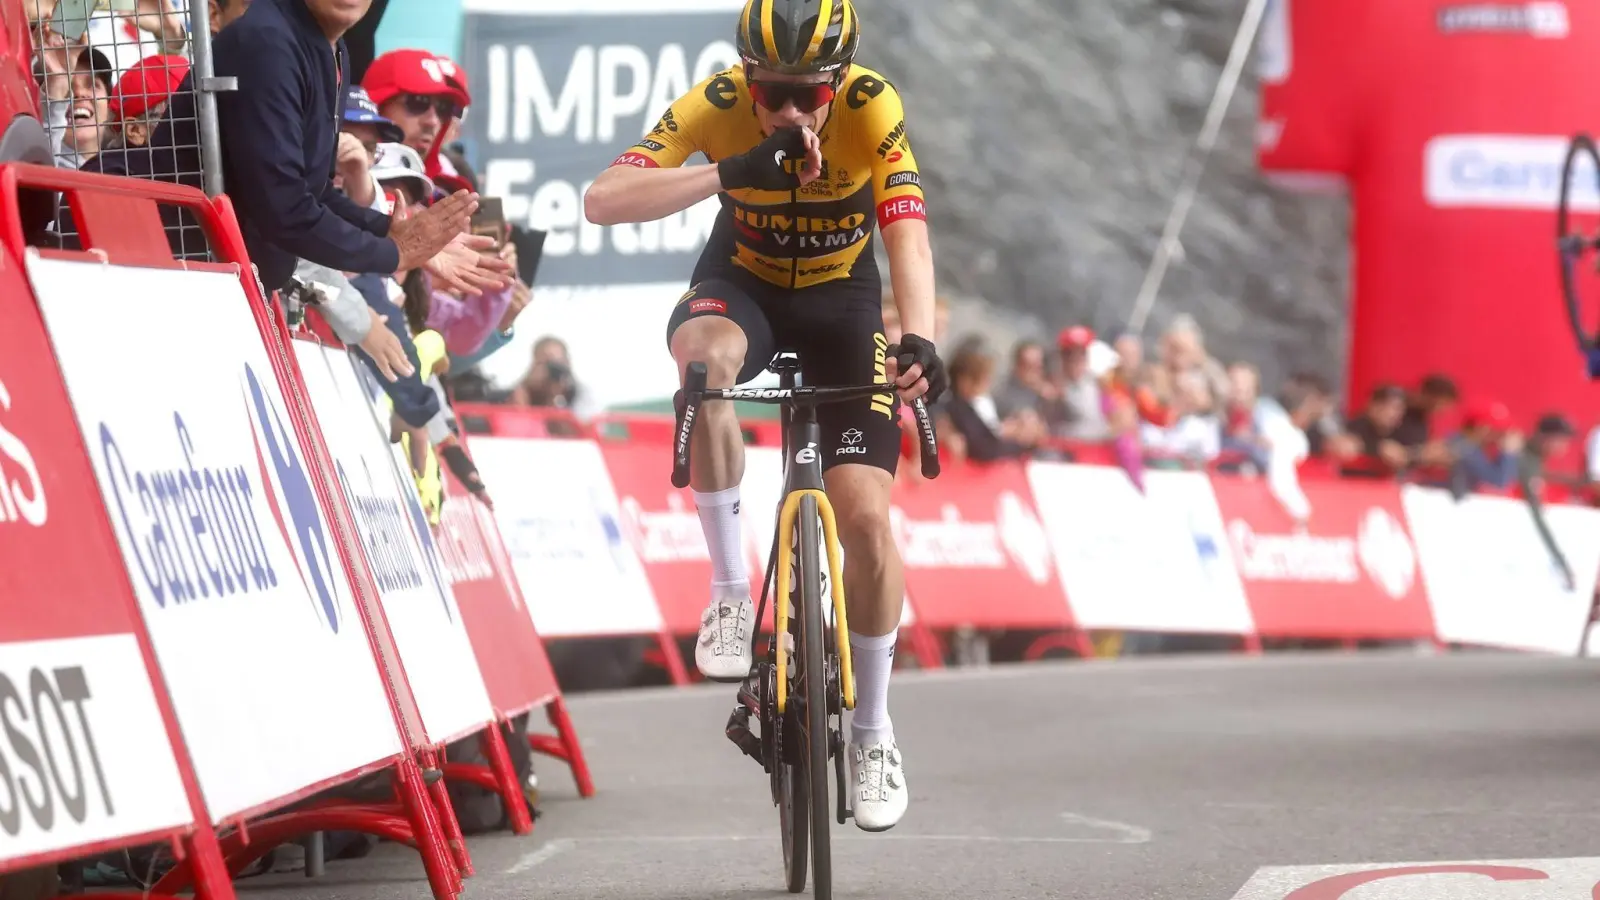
(231, 555)
(84, 756)
(1491, 580)
(559, 516)
(1153, 562)
(399, 547)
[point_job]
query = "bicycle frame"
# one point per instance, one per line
(802, 477)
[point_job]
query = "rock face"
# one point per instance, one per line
(1052, 136)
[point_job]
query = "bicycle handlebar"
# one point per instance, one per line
(695, 392)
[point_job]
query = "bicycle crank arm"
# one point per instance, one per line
(838, 770)
(738, 731)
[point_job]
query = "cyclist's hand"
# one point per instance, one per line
(813, 164)
(916, 369)
(772, 165)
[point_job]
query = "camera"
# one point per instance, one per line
(558, 371)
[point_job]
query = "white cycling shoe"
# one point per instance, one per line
(878, 783)
(723, 652)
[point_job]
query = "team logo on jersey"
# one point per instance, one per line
(667, 124)
(897, 136)
(862, 91)
(899, 179)
(722, 92)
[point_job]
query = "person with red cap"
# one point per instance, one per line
(423, 93)
(141, 95)
(1487, 450)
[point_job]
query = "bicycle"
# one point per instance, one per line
(812, 667)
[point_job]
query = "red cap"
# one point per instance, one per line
(415, 72)
(1076, 337)
(1491, 414)
(148, 82)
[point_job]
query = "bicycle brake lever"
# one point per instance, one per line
(694, 386)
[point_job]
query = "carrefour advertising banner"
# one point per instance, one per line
(561, 88)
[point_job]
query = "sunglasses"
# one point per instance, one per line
(419, 104)
(806, 97)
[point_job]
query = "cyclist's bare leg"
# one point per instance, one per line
(874, 590)
(716, 462)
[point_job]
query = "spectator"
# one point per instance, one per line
(1435, 397)
(1195, 435)
(137, 105)
(1080, 389)
(225, 13)
(419, 91)
(1241, 428)
(1377, 432)
(1486, 450)
(972, 412)
(1183, 351)
(1029, 386)
(1551, 441)
(362, 130)
(550, 381)
(278, 153)
(78, 100)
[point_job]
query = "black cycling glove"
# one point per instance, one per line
(773, 165)
(912, 350)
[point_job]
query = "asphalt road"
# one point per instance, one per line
(1172, 779)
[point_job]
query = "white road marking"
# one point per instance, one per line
(1119, 833)
(1511, 879)
(540, 856)
(1126, 834)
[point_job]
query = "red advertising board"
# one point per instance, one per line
(510, 653)
(661, 524)
(976, 552)
(85, 714)
(1352, 573)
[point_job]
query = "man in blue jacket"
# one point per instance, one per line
(281, 130)
(279, 134)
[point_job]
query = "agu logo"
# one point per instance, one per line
(293, 504)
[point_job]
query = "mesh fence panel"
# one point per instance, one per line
(109, 70)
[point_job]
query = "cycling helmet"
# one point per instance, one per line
(799, 37)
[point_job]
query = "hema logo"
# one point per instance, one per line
(304, 532)
(1492, 171)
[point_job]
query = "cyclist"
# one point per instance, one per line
(809, 152)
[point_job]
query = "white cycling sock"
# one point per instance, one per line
(719, 518)
(872, 658)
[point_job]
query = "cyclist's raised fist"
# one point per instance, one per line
(776, 164)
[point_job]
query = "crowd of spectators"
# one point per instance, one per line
(375, 226)
(1084, 398)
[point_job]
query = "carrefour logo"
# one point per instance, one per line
(1503, 172)
(293, 503)
(187, 501)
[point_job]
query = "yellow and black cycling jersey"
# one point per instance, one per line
(820, 232)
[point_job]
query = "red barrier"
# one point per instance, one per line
(222, 384)
(1352, 574)
(89, 712)
(976, 553)
(510, 652)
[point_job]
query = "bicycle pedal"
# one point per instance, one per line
(738, 731)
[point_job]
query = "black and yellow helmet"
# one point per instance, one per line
(799, 37)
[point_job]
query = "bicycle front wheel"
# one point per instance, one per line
(814, 732)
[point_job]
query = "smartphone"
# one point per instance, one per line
(530, 247)
(490, 219)
(70, 19)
